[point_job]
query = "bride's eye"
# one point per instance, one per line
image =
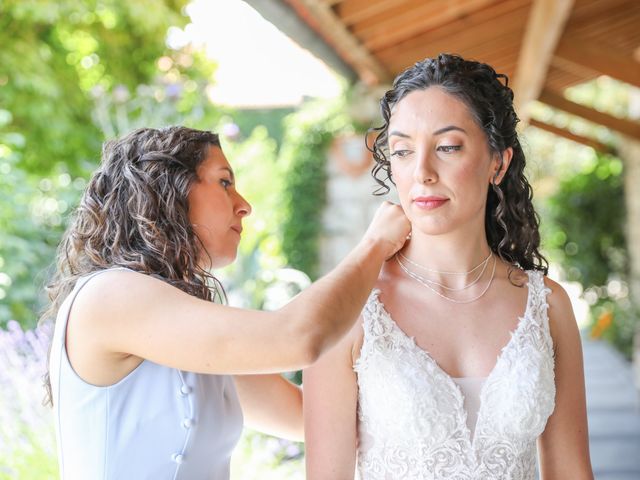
(400, 153)
(449, 148)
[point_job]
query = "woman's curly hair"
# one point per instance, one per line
(511, 223)
(134, 213)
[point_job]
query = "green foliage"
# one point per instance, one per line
(585, 234)
(587, 214)
(308, 135)
(262, 457)
(58, 52)
(615, 321)
(35, 461)
(270, 118)
(259, 179)
(72, 74)
(31, 223)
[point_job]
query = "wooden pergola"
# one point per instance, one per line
(544, 46)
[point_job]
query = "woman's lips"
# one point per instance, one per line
(429, 203)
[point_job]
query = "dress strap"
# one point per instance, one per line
(538, 304)
(374, 316)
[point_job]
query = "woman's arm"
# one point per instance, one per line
(330, 411)
(271, 404)
(121, 317)
(564, 444)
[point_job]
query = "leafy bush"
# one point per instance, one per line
(584, 233)
(303, 155)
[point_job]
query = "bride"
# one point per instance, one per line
(466, 362)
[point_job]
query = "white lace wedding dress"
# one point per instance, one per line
(411, 417)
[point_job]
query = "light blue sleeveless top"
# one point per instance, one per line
(157, 423)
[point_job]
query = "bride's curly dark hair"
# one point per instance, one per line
(511, 223)
(134, 214)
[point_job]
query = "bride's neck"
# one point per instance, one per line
(446, 253)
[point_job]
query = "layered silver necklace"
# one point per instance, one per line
(431, 284)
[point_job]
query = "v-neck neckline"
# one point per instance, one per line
(422, 353)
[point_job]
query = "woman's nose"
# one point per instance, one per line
(243, 208)
(424, 171)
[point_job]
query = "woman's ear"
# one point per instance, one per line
(501, 165)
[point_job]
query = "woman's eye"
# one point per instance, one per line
(449, 148)
(225, 183)
(400, 153)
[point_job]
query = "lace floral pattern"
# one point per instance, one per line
(411, 417)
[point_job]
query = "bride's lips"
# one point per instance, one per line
(429, 203)
(237, 229)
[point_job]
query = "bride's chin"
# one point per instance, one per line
(429, 228)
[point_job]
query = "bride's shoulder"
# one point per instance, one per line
(557, 298)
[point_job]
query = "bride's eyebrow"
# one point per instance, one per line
(396, 133)
(230, 172)
(448, 129)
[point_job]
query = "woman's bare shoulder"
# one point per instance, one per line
(118, 292)
(558, 298)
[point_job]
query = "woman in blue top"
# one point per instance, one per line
(141, 354)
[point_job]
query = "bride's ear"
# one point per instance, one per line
(500, 165)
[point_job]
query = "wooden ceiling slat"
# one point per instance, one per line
(401, 24)
(387, 19)
(590, 142)
(589, 12)
(462, 32)
(353, 11)
(435, 42)
(545, 25)
(483, 53)
(436, 23)
(609, 27)
(588, 55)
(621, 125)
(565, 67)
(558, 80)
(502, 45)
(368, 67)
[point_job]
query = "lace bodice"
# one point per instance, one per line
(411, 418)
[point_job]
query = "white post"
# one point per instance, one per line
(629, 151)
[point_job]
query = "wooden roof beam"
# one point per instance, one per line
(289, 22)
(587, 55)
(561, 132)
(627, 127)
(545, 25)
(348, 47)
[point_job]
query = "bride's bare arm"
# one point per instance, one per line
(564, 444)
(330, 411)
(271, 404)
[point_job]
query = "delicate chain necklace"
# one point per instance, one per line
(451, 289)
(424, 283)
(421, 267)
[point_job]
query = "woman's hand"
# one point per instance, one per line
(390, 228)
